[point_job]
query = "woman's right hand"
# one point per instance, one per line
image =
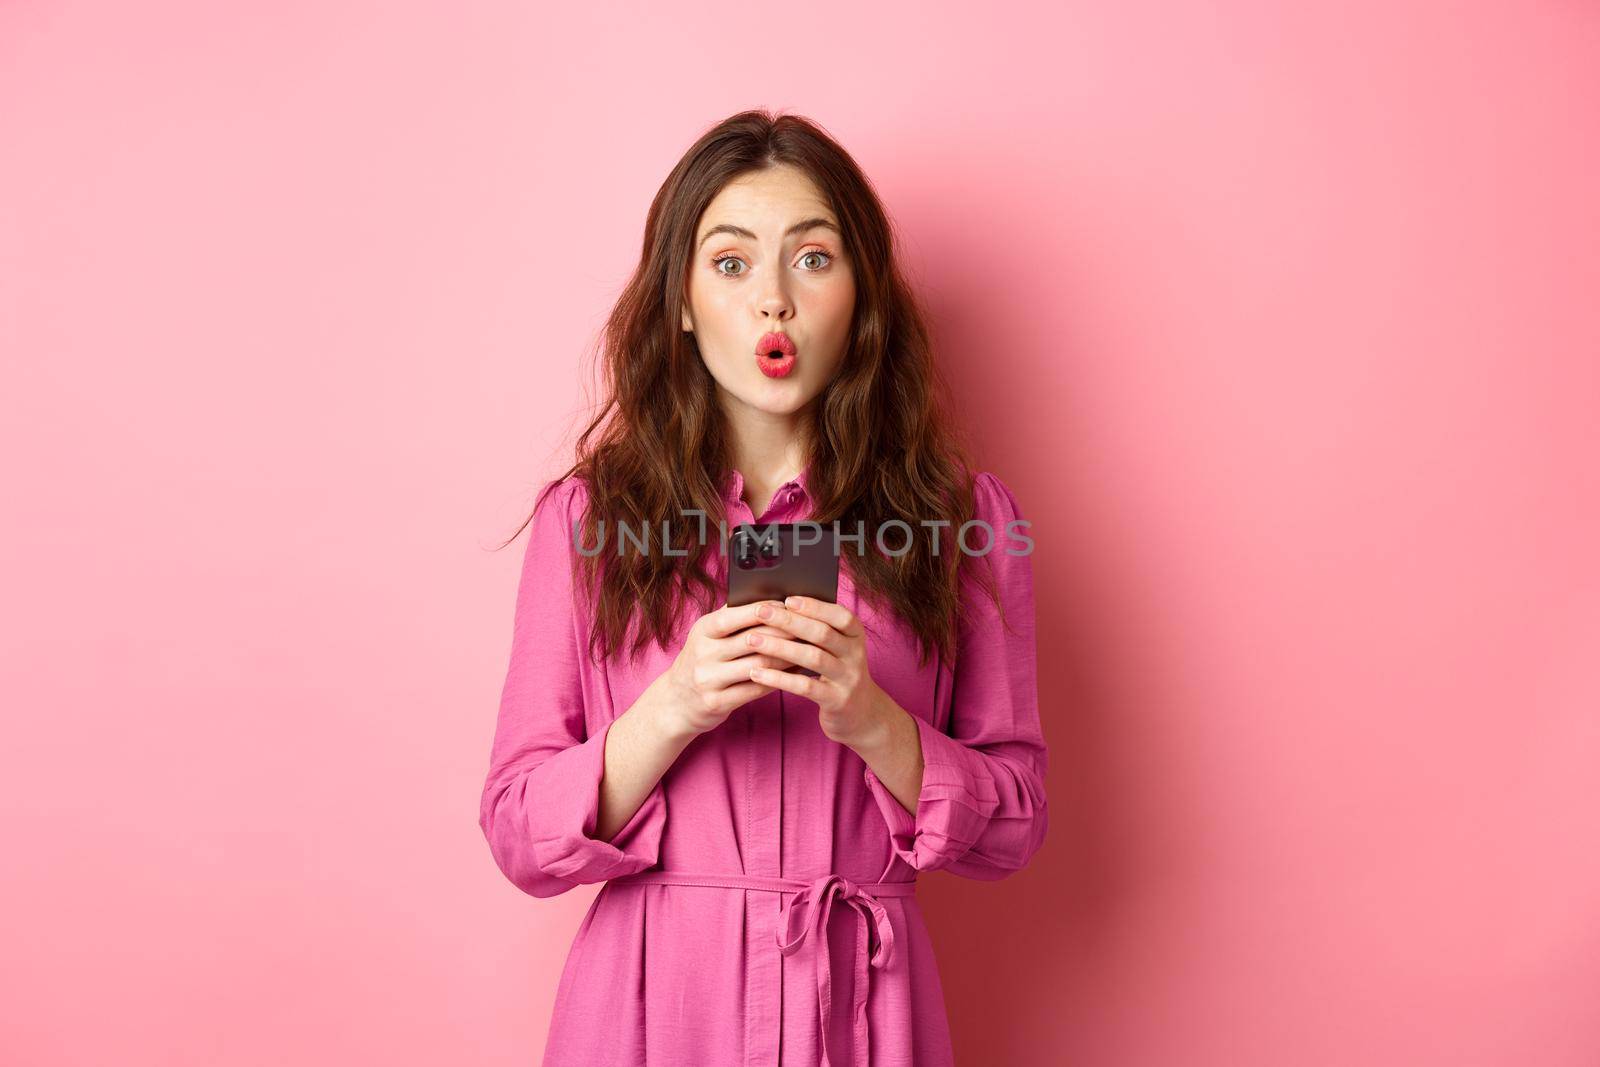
(711, 676)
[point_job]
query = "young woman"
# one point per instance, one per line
(759, 831)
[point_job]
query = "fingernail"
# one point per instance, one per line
(764, 611)
(792, 602)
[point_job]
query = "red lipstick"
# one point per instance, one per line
(775, 354)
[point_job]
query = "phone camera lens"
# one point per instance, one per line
(745, 551)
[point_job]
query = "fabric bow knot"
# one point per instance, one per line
(812, 906)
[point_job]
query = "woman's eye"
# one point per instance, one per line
(812, 256)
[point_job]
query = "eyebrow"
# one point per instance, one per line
(740, 231)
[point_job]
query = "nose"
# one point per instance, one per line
(774, 302)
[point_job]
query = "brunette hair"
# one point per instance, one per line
(882, 445)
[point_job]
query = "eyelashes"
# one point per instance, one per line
(717, 261)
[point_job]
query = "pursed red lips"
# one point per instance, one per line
(775, 340)
(775, 354)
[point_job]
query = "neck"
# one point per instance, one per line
(768, 449)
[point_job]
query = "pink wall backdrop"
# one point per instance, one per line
(1279, 319)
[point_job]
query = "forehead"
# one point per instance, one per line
(766, 200)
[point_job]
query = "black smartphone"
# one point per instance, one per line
(774, 560)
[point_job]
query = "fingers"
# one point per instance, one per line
(799, 684)
(736, 645)
(726, 620)
(813, 630)
(720, 674)
(796, 652)
(763, 629)
(837, 616)
(739, 644)
(739, 695)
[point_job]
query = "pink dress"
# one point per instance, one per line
(759, 908)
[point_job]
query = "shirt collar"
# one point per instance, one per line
(733, 484)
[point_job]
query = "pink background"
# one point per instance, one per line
(1279, 321)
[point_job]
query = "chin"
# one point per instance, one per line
(779, 398)
(782, 407)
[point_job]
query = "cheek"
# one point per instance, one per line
(840, 304)
(835, 302)
(714, 303)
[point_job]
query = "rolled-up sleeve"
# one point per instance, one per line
(541, 801)
(981, 810)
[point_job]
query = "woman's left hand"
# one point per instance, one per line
(848, 700)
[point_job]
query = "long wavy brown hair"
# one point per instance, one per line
(882, 444)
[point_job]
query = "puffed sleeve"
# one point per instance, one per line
(541, 801)
(981, 811)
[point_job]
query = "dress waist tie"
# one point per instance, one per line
(809, 903)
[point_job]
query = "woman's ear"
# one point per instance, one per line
(688, 327)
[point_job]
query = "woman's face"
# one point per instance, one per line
(749, 275)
